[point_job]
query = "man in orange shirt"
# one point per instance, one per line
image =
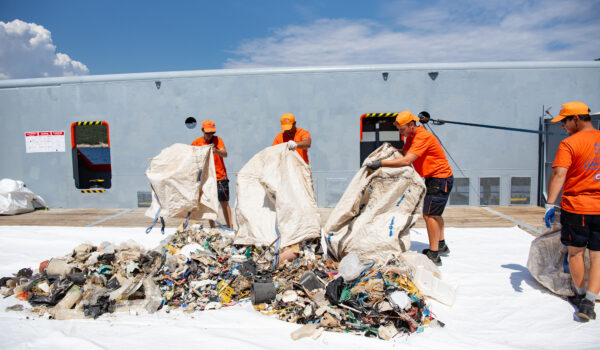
(424, 151)
(219, 152)
(576, 170)
(296, 138)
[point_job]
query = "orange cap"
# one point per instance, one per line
(208, 126)
(405, 117)
(287, 121)
(571, 108)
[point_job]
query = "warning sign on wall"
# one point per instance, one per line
(44, 141)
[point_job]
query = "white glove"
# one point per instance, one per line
(292, 145)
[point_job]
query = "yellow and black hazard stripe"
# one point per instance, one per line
(380, 115)
(89, 123)
(369, 118)
(93, 191)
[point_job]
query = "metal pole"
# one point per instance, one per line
(540, 186)
(441, 122)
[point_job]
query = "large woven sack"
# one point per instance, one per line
(374, 216)
(183, 181)
(546, 263)
(275, 199)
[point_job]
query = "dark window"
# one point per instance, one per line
(375, 129)
(90, 144)
(520, 190)
(489, 191)
(190, 122)
(460, 192)
(144, 199)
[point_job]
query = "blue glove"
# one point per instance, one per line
(549, 217)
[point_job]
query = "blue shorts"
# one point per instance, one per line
(438, 191)
(580, 230)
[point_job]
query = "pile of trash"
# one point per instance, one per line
(200, 268)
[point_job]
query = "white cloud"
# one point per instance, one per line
(27, 51)
(444, 31)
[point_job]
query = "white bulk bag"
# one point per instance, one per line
(183, 180)
(15, 198)
(546, 263)
(275, 198)
(374, 216)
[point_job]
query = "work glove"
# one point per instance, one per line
(292, 145)
(374, 165)
(549, 217)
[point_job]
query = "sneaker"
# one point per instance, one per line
(443, 249)
(586, 310)
(576, 299)
(434, 258)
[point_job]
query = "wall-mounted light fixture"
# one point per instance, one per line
(433, 75)
(385, 75)
(157, 84)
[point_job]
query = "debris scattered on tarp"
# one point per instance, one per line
(200, 268)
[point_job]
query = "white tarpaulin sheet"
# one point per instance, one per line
(183, 180)
(15, 198)
(275, 198)
(374, 216)
(498, 304)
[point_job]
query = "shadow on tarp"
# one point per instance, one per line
(418, 246)
(521, 274)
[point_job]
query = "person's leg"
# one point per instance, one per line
(579, 233)
(594, 275)
(432, 223)
(441, 223)
(223, 194)
(577, 265)
(449, 183)
(226, 212)
(594, 249)
(586, 307)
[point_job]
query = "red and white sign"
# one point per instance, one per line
(44, 141)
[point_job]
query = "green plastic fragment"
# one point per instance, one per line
(345, 295)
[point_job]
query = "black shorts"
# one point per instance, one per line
(223, 190)
(580, 230)
(438, 191)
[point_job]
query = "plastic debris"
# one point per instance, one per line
(200, 268)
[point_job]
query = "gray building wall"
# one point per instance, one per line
(246, 106)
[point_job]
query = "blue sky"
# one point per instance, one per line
(66, 37)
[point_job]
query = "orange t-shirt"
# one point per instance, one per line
(298, 136)
(219, 164)
(580, 154)
(431, 161)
